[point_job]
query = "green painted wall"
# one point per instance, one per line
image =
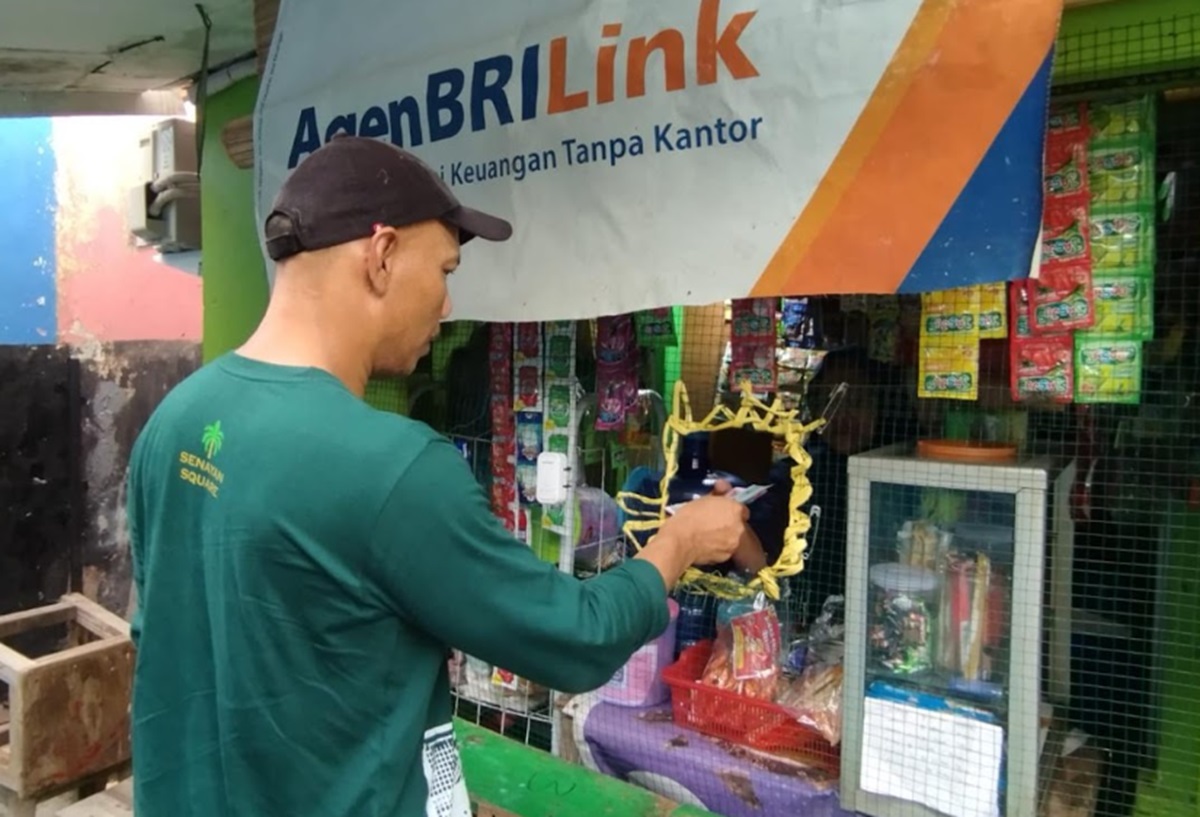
(1126, 37)
(235, 282)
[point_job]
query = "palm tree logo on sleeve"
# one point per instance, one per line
(200, 471)
(212, 439)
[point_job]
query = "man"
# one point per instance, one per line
(304, 562)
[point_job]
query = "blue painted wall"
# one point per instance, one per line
(28, 302)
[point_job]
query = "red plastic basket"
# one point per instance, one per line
(724, 714)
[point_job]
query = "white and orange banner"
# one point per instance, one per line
(689, 151)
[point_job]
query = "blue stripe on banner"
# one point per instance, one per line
(991, 229)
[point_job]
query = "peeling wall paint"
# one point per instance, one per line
(124, 383)
(108, 289)
(69, 270)
(76, 295)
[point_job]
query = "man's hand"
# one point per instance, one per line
(713, 526)
(706, 531)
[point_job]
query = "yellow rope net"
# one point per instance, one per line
(753, 413)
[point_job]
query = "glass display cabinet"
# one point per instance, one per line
(957, 630)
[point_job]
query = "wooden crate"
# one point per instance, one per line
(69, 710)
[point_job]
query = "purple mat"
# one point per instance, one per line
(643, 746)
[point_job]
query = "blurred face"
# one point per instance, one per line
(408, 271)
(852, 427)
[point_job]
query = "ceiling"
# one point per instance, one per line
(113, 56)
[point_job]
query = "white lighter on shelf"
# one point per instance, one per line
(551, 478)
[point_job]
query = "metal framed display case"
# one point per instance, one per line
(958, 607)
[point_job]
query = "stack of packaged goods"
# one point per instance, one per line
(1108, 356)
(1078, 327)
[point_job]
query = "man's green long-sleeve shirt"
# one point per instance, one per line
(303, 562)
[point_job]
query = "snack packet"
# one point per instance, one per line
(993, 311)
(1066, 173)
(528, 365)
(616, 371)
(1018, 309)
(1061, 299)
(1066, 236)
(1122, 239)
(951, 314)
(1107, 370)
(752, 339)
(1114, 119)
(948, 370)
(1043, 368)
(1124, 305)
(745, 656)
(1122, 174)
(656, 328)
(815, 699)
(1069, 119)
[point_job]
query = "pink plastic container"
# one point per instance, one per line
(640, 681)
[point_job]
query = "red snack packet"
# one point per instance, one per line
(1066, 172)
(755, 644)
(1043, 368)
(1061, 299)
(1069, 120)
(1066, 235)
(753, 338)
(1018, 310)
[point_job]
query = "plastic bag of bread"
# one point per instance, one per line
(745, 656)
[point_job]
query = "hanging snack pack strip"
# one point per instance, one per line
(1060, 298)
(1018, 310)
(752, 340)
(616, 371)
(558, 429)
(883, 318)
(528, 402)
(1123, 220)
(529, 446)
(948, 365)
(504, 475)
(1107, 370)
(528, 361)
(560, 380)
(1040, 367)
(656, 328)
(993, 311)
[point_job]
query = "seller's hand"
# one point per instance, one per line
(711, 529)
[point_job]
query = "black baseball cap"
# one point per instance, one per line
(346, 188)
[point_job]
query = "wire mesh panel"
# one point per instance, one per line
(966, 647)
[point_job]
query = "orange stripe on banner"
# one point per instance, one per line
(954, 89)
(914, 50)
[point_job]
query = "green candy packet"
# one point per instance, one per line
(1107, 370)
(1124, 305)
(1121, 173)
(1122, 238)
(1123, 117)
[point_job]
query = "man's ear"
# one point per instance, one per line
(382, 250)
